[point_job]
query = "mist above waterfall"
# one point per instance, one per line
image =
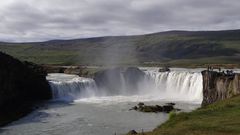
(167, 86)
(117, 51)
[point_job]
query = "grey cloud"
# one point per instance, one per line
(31, 20)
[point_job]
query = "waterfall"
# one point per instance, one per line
(169, 86)
(183, 86)
(70, 87)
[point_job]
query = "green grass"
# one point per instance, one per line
(221, 118)
(40, 56)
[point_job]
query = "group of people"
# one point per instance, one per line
(228, 72)
(211, 68)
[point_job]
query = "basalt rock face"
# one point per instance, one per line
(21, 85)
(118, 80)
(218, 86)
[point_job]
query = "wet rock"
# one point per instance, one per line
(132, 132)
(147, 109)
(164, 69)
(140, 104)
(168, 108)
(159, 108)
(134, 108)
(154, 108)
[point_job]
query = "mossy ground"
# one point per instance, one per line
(221, 118)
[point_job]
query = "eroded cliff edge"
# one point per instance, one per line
(218, 86)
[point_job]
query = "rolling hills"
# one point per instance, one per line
(177, 48)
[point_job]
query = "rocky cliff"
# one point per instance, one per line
(22, 84)
(218, 86)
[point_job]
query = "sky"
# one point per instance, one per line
(41, 20)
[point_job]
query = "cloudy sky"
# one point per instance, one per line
(39, 20)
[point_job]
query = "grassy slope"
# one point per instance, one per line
(174, 48)
(221, 118)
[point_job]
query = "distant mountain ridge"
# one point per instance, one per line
(171, 47)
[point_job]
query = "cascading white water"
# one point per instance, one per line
(70, 87)
(177, 86)
(169, 86)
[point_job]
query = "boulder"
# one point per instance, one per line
(132, 132)
(159, 108)
(140, 104)
(164, 69)
(168, 108)
(134, 108)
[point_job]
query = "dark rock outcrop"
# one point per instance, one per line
(22, 84)
(218, 86)
(167, 108)
(132, 132)
(164, 69)
(155, 108)
(116, 79)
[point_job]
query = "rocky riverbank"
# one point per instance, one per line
(22, 85)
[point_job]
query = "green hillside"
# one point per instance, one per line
(173, 48)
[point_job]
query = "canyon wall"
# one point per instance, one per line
(218, 86)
